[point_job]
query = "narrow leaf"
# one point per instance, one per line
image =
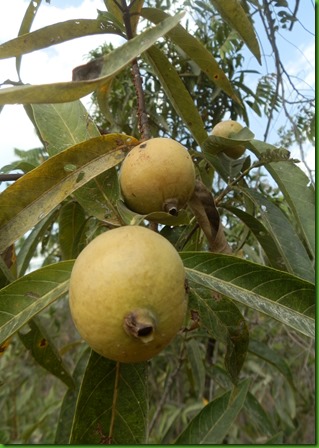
(112, 404)
(278, 294)
(26, 24)
(29, 245)
(177, 93)
(234, 14)
(43, 350)
(196, 363)
(53, 35)
(27, 296)
(297, 189)
(111, 64)
(224, 322)
(213, 423)
(195, 50)
(264, 352)
(262, 235)
(38, 192)
(71, 222)
(69, 401)
(284, 235)
(258, 417)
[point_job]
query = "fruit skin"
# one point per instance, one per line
(157, 175)
(127, 294)
(226, 129)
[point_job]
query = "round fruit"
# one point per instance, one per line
(226, 129)
(127, 292)
(157, 175)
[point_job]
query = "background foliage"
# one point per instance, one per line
(230, 376)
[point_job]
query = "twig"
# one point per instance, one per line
(10, 177)
(143, 125)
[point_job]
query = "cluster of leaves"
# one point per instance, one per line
(69, 193)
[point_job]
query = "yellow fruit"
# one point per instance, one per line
(127, 292)
(226, 129)
(157, 175)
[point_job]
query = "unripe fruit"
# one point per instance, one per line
(226, 129)
(128, 296)
(157, 175)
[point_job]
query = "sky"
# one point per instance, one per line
(56, 64)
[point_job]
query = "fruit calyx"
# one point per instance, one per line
(140, 324)
(171, 206)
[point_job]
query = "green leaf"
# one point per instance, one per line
(264, 352)
(29, 246)
(43, 350)
(26, 297)
(236, 17)
(68, 406)
(297, 189)
(71, 222)
(53, 35)
(63, 125)
(262, 235)
(224, 322)
(258, 417)
(112, 404)
(212, 424)
(195, 50)
(278, 294)
(111, 64)
(177, 93)
(25, 27)
(38, 192)
(196, 362)
(284, 235)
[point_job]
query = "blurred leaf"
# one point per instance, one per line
(195, 50)
(111, 64)
(262, 235)
(269, 355)
(277, 439)
(177, 93)
(196, 362)
(234, 14)
(27, 296)
(135, 11)
(258, 417)
(283, 234)
(112, 404)
(53, 34)
(71, 222)
(69, 401)
(114, 10)
(25, 26)
(278, 294)
(212, 424)
(297, 190)
(43, 350)
(29, 245)
(38, 192)
(224, 322)
(63, 125)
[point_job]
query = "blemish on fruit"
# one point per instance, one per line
(43, 343)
